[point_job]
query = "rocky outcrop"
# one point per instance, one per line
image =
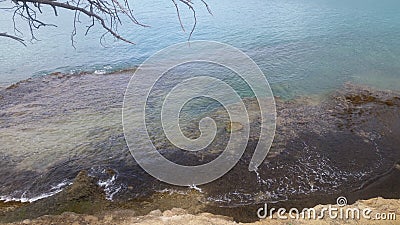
(83, 196)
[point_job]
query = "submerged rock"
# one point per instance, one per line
(234, 126)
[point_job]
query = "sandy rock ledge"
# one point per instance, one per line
(180, 216)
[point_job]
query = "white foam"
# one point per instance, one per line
(195, 188)
(109, 187)
(53, 190)
(100, 72)
(172, 191)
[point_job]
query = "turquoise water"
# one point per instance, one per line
(305, 47)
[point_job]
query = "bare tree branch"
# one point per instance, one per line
(188, 3)
(13, 37)
(84, 11)
(107, 13)
(179, 15)
(208, 8)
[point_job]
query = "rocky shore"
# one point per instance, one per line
(84, 202)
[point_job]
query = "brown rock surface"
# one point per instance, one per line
(180, 216)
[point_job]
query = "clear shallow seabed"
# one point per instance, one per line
(54, 126)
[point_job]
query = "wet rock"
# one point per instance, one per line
(13, 86)
(84, 187)
(55, 74)
(9, 206)
(262, 197)
(361, 98)
(83, 196)
(110, 172)
(389, 102)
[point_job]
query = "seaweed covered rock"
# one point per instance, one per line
(83, 196)
(84, 187)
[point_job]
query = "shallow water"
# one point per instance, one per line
(50, 135)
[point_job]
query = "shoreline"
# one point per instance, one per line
(186, 204)
(65, 74)
(386, 186)
(61, 75)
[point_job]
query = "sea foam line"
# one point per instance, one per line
(53, 190)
